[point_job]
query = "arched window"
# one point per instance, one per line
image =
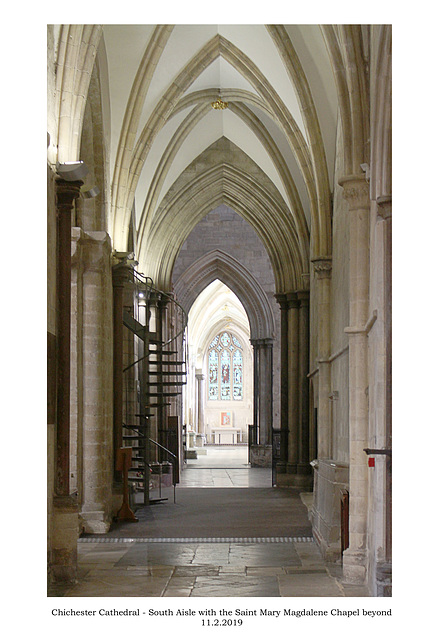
(225, 368)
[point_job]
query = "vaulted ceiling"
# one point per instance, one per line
(276, 138)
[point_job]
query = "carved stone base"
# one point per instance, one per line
(354, 567)
(63, 551)
(260, 455)
(298, 480)
(384, 580)
(94, 522)
(330, 477)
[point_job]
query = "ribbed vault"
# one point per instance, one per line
(347, 52)
(243, 187)
(313, 172)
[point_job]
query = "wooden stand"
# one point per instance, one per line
(123, 463)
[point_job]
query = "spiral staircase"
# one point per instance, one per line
(153, 379)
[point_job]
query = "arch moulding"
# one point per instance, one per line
(218, 265)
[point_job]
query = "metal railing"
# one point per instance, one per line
(174, 466)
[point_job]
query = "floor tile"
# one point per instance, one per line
(119, 586)
(261, 555)
(235, 586)
(308, 585)
(169, 554)
(194, 570)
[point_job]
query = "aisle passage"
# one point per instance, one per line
(223, 467)
(229, 534)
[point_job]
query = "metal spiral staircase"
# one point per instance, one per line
(153, 378)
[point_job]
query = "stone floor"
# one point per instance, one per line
(205, 569)
(208, 567)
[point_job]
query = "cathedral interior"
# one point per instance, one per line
(219, 248)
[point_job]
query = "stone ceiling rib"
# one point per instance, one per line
(224, 184)
(256, 126)
(131, 120)
(311, 122)
(345, 48)
(215, 47)
(77, 51)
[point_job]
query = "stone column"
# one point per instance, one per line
(384, 212)
(303, 466)
(200, 377)
(323, 268)
(76, 365)
(255, 345)
(265, 391)
(66, 193)
(293, 383)
(356, 192)
(63, 552)
(120, 277)
(283, 303)
(97, 383)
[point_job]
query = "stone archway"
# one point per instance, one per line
(218, 265)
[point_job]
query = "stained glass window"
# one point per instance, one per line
(213, 375)
(225, 368)
(225, 375)
(237, 375)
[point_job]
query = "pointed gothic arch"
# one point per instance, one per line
(245, 189)
(218, 265)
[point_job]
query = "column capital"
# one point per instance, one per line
(96, 250)
(66, 193)
(287, 301)
(293, 302)
(121, 274)
(356, 191)
(261, 342)
(322, 266)
(281, 299)
(384, 207)
(303, 297)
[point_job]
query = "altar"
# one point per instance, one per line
(227, 435)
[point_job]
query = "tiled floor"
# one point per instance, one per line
(224, 467)
(205, 567)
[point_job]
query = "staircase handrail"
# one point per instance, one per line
(173, 455)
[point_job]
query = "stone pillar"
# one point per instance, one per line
(66, 193)
(384, 212)
(255, 345)
(356, 192)
(200, 393)
(283, 303)
(294, 388)
(323, 268)
(303, 465)
(97, 383)
(261, 452)
(120, 277)
(265, 395)
(63, 552)
(293, 383)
